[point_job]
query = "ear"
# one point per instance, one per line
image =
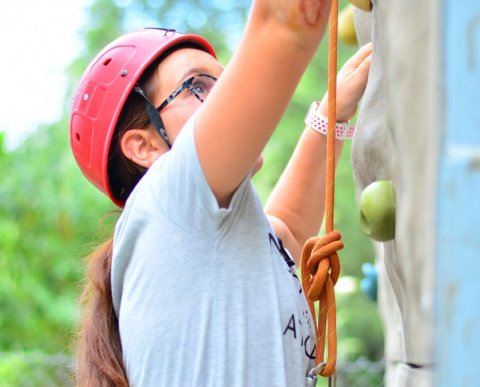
(141, 146)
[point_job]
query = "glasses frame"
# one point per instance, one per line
(153, 112)
(186, 85)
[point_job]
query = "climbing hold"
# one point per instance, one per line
(369, 284)
(364, 5)
(377, 210)
(346, 27)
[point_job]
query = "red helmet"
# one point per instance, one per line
(103, 90)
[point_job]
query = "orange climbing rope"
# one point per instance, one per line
(320, 262)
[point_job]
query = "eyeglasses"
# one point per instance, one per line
(199, 86)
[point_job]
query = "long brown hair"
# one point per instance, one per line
(99, 349)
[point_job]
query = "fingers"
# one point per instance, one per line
(358, 66)
(365, 50)
(363, 54)
(365, 65)
(351, 82)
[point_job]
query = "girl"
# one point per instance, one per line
(196, 288)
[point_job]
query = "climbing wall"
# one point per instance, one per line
(397, 140)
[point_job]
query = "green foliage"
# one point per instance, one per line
(50, 217)
(2, 144)
(31, 369)
(46, 215)
(207, 17)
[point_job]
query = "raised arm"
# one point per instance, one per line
(250, 97)
(296, 205)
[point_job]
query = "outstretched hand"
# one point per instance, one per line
(351, 82)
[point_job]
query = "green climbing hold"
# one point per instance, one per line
(377, 210)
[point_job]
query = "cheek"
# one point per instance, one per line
(175, 119)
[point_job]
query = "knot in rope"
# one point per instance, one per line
(320, 272)
(320, 262)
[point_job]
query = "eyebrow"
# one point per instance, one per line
(191, 72)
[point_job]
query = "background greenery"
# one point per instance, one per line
(50, 217)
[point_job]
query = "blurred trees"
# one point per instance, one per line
(50, 217)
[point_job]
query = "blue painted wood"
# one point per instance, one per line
(458, 234)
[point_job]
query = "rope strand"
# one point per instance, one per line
(332, 117)
(320, 262)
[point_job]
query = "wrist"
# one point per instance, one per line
(341, 115)
(319, 123)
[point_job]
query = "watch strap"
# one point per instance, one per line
(319, 123)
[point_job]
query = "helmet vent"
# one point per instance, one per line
(107, 61)
(77, 136)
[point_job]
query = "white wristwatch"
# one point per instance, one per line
(319, 123)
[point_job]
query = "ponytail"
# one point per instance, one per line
(99, 350)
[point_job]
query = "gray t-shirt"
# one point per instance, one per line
(205, 296)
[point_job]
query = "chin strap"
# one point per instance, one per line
(320, 261)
